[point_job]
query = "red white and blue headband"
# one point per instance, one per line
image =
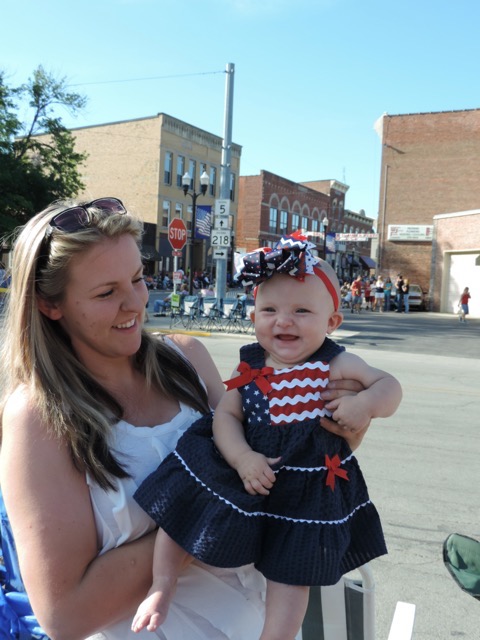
(292, 256)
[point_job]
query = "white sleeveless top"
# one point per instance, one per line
(210, 603)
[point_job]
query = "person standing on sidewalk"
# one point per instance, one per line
(356, 290)
(379, 294)
(399, 288)
(406, 293)
(388, 293)
(463, 305)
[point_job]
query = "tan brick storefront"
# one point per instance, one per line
(138, 161)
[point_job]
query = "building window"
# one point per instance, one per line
(304, 224)
(165, 213)
(203, 168)
(295, 222)
(272, 221)
(314, 227)
(213, 181)
(192, 170)
(180, 169)
(232, 187)
(178, 210)
(167, 174)
(283, 221)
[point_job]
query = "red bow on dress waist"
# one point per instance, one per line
(247, 375)
(333, 466)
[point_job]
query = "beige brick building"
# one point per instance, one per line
(430, 166)
(142, 162)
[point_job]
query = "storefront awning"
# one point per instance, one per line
(150, 253)
(368, 262)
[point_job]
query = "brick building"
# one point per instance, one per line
(430, 166)
(142, 162)
(270, 206)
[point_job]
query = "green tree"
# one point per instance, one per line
(38, 161)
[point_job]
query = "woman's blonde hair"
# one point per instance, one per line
(36, 351)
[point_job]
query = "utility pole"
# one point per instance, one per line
(221, 269)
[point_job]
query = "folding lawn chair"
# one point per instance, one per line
(233, 316)
(346, 611)
(185, 313)
(190, 317)
(210, 318)
(248, 326)
(176, 310)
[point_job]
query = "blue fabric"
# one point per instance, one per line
(16, 615)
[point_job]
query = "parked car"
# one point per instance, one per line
(416, 298)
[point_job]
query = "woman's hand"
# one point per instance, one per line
(354, 438)
(337, 389)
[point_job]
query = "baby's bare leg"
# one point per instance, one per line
(284, 611)
(168, 560)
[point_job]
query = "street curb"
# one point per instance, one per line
(201, 334)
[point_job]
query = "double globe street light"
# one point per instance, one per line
(186, 182)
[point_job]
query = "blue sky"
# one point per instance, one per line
(311, 76)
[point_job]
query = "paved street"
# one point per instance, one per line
(422, 465)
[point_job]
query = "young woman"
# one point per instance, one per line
(91, 403)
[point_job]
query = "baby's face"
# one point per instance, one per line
(292, 318)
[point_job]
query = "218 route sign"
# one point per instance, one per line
(220, 239)
(177, 234)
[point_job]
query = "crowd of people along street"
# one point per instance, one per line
(375, 293)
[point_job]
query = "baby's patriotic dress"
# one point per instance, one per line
(318, 521)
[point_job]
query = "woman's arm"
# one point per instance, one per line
(73, 591)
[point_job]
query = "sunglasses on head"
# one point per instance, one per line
(75, 218)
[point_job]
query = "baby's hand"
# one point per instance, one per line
(256, 473)
(350, 412)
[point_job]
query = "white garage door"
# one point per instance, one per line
(463, 271)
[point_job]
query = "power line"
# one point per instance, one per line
(181, 75)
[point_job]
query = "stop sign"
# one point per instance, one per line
(177, 233)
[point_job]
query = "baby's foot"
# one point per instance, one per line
(153, 611)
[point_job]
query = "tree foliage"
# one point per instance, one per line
(38, 161)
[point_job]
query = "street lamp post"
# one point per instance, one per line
(325, 228)
(204, 182)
